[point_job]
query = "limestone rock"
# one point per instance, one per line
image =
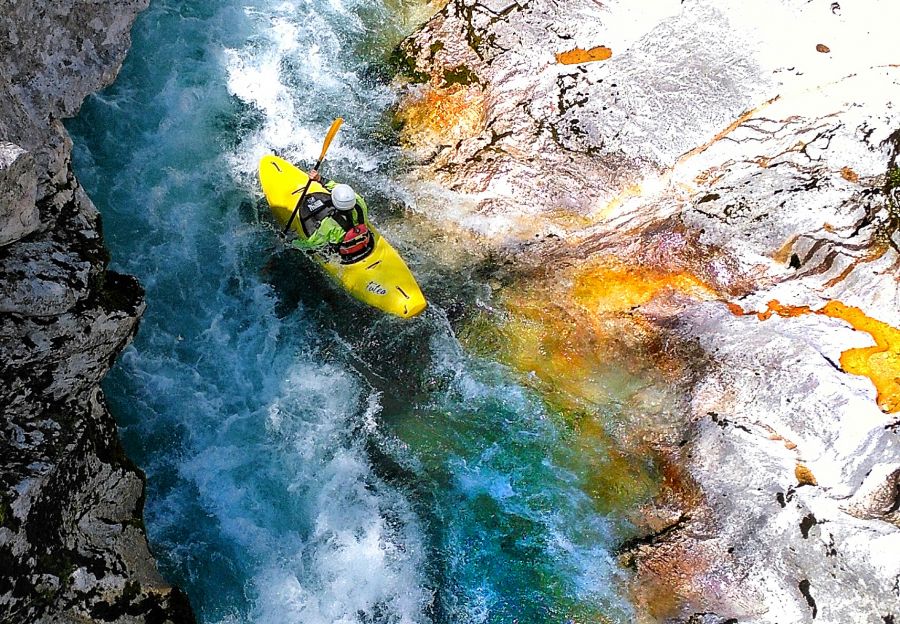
(72, 541)
(777, 378)
(52, 55)
(755, 146)
(18, 193)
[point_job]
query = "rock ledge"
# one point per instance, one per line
(72, 540)
(755, 149)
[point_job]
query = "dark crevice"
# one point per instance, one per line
(804, 589)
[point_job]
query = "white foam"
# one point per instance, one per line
(352, 561)
(296, 75)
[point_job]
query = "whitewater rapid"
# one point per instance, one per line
(309, 460)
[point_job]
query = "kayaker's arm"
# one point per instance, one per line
(328, 232)
(365, 208)
(315, 176)
(329, 184)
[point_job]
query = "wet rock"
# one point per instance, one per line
(51, 56)
(18, 193)
(72, 540)
(710, 144)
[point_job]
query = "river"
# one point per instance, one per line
(308, 459)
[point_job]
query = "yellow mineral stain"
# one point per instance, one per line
(880, 363)
(804, 475)
(640, 188)
(576, 56)
(619, 288)
(442, 115)
(630, 191)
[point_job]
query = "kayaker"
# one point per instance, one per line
(345, 210)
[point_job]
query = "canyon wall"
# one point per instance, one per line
(72, 540)
(738, 163)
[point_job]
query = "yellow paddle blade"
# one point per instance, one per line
(335, 125)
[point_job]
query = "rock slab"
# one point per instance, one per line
(72, 541)
(18, 194)
(755, 146)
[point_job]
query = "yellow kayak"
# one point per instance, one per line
(380, 279)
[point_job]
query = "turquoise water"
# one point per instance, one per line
(311, 460)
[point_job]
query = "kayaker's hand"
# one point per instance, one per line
(314, 176)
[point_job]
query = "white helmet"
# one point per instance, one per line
(343, 197)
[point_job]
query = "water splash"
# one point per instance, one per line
(262, 500)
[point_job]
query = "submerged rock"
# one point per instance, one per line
(754, 147)
(72, 540)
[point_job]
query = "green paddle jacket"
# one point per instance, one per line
(330, 232)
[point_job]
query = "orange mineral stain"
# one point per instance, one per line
(783, 311)
(880, 363)
(442, 115)
(804, 475)
(848, 174)
(745, 116)
(576, 56)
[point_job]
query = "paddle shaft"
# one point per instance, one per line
(300, 201)
(331, 132)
